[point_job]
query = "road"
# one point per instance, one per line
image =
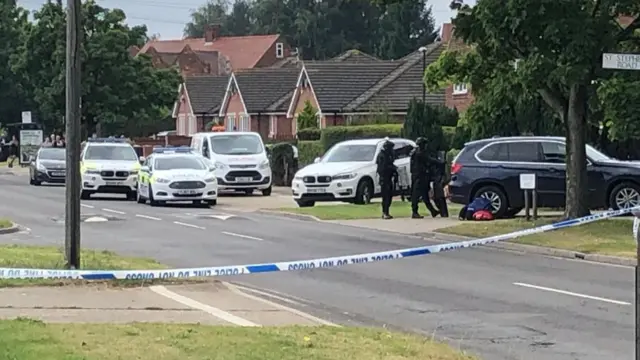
(499, 305)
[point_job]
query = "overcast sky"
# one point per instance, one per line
(167, 17)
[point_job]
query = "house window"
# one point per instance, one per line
(273, 126)
(279, 50)
(459, 89)
(231, 122)
(244, 123)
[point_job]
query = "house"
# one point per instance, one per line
(217, 55)
(341, 91)
(257, 100)
(458, 96)
(198, 104)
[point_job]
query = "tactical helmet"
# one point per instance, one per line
(388, 145)
(421, 142)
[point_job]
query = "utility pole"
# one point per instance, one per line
(73, 115)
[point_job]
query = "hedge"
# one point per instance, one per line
(308, 151)
(335, 134)
(280, 154)
(309, 134)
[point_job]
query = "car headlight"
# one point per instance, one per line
(298, 177)
(95, 172)
(220, 165)
(162, 181)
(264, 165)
(41, 167)
(133, 172)
(210, 180)
(344, 176)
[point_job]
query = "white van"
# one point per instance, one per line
(240, 159)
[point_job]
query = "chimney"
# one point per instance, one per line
(211, 32)
(447, 32)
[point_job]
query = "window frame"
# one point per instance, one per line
(460, 89)
(279, 50)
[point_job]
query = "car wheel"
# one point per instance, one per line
(152, 201)
(212, 202)
(302, 203)
(85, 195)
(364, 192)
(624, 195)
(267, 191)
(132, 195)
(498, 199)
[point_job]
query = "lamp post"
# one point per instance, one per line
(423, 50)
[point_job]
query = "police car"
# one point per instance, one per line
(109, 166)
(177, 174)
(347, 172)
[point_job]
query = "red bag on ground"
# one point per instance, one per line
(482, 215)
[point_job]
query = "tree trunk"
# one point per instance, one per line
(577, 204)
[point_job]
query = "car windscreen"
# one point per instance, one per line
(179, 163)
(56, 154)
(349, 153)
(596, 155)
(236, 144)
(112, 153)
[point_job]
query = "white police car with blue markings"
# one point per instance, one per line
(176, 175)
(347, 172)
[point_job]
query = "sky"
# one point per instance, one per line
(168, 17)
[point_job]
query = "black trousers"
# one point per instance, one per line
(420, 189)
(387, 194)
(438, 197)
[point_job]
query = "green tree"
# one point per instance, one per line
(307, 117)
(551, 48)
(424, 120)
(13, 25)
(213, 12)
(117, 89)
(403, 28)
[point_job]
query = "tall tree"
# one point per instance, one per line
(213, 12)
(404, 27)
(558, 48)
(13, 25)
(117, 89)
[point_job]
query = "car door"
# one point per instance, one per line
(523, 158)
(552, 181)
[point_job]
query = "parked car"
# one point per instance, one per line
(49, 166)
(347, 172)
(491, 168)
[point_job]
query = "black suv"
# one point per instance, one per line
(491, 168)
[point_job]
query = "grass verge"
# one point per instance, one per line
(5, 223)
(40, 257)
(399, 209)
(606, 237)
(27, 339)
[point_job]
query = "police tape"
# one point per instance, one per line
(322, 263)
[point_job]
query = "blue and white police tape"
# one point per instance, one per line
(322, 263)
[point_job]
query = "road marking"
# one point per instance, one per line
(87, 206)
(310, 317)
(242, 236)
(220, 314)
(564, 292)
(189, 225)
(114, 211)
(148, 217)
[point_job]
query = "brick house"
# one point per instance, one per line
(458, 96)
(217, 55)
(343, 90)
(257, 100)
(199, 100)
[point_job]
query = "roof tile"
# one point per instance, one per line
(206, 92)
(262, 87)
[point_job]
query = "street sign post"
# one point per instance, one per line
(621, 61)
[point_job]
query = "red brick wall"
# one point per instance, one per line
(184, 111)
(269, 58)
(458, 101)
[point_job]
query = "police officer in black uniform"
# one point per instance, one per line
(420, 179)
(438, 176)
(386, 170)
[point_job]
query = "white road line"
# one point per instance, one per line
(242, 236)
(88, 206)
(189, 225)
(220, 314)
(114, 211)
(310, 317)
(148, 217)
(564, 292)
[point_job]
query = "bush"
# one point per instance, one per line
(308, 151)
(307, 117)
(282, 154)
(451, 154)
(335, 134)
(309, 134)
(449, 134)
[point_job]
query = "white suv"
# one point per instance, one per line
(347, 172)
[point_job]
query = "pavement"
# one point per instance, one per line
(500, 305)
